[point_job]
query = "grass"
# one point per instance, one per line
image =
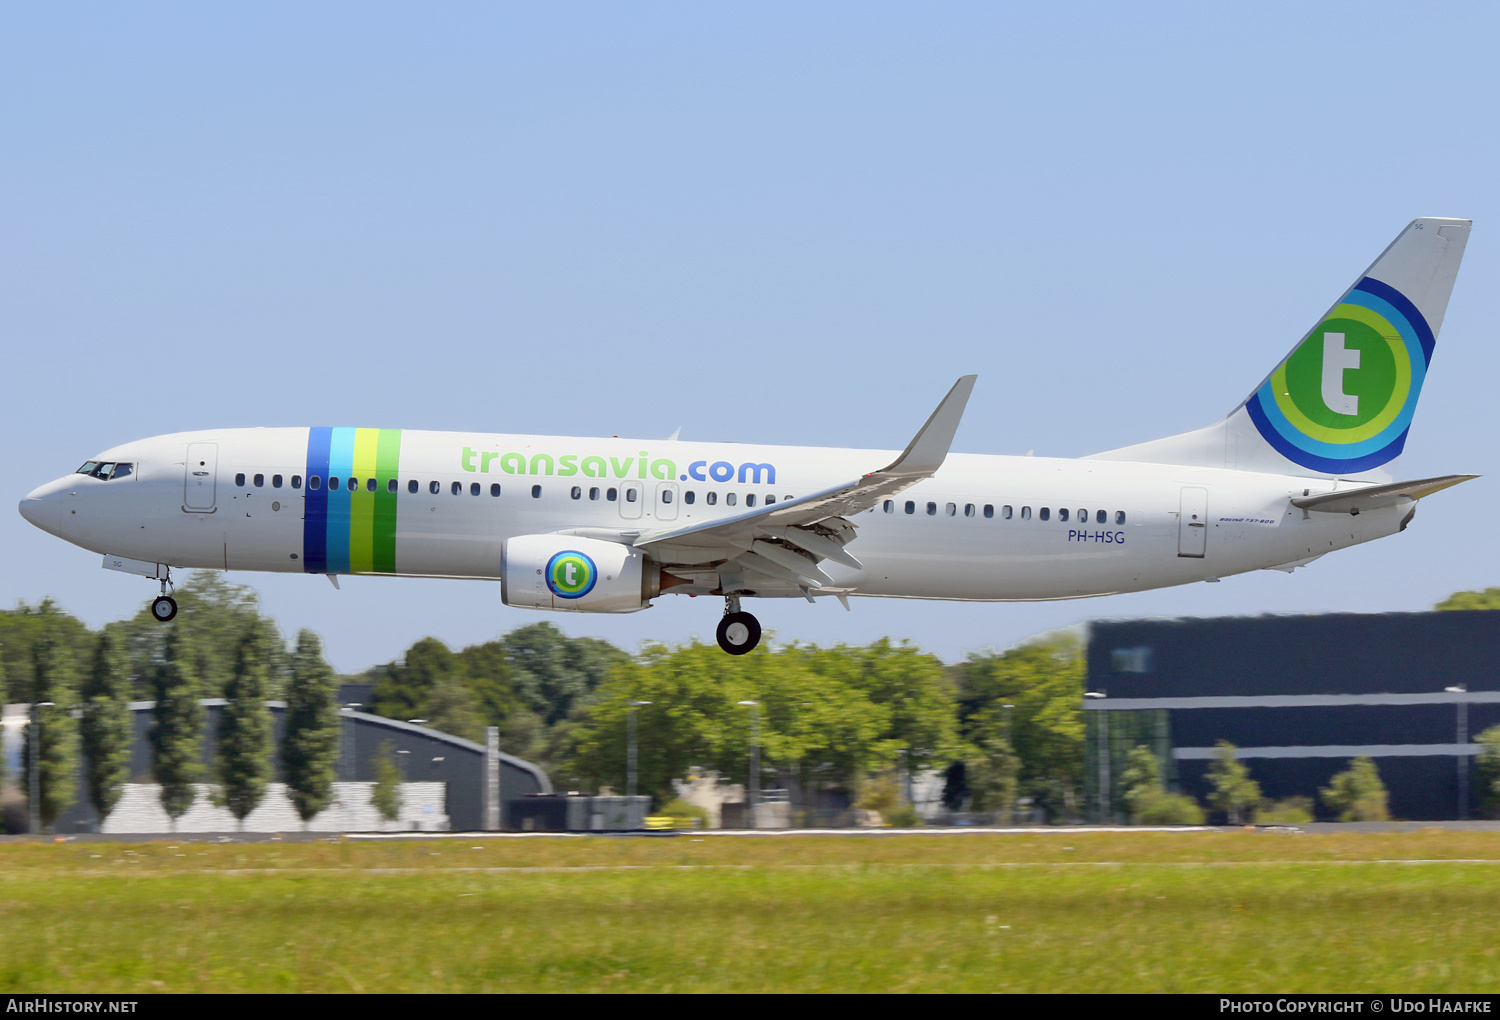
(1220, 912)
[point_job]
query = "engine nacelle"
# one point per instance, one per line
(580, 575)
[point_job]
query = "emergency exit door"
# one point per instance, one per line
(1192, 523)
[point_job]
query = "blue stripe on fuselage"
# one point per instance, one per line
(315, 517)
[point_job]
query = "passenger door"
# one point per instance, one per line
(631, 498)
(666, 501)
(1192, 523)
(200, 475)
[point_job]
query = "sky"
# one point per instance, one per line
(785, 223)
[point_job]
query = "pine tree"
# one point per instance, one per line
(245, 727)
(107, 727)
(54, 679)
(310, 747)
(177, 735)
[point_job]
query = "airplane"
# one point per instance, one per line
(1301, 467)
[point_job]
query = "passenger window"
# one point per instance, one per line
(911, 507)
(314, 482)
(495, 489)
(712, 498)
(951, 509)
(729, 499)
(666, 496)
(370, 485)
(631, 494)
(1119, 516)
(434, 487)
(412, 486)
(931, 509)
(296, 481)
(1026, 513)
(889, 506)
(594, 493)
(1005, 512)
(612, 495)
(275, 481)
(333, 482)
(260, 481)
(968, 509)
(989, 510)
(456, 488)
(239, 479)
(1101, 517)
(536, 492)
(1044, 513)
(353, 484)
(1062, 515)
(770, 499)
(688, 497)
(749, 499)
(577, 492)
(390, 485)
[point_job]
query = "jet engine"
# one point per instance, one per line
(580, 575)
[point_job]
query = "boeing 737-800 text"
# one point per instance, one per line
(1302, 467)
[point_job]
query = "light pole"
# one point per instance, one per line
(35, 786)
(1462, 758)
(1104, 798)
(753, 793)
(630, 746)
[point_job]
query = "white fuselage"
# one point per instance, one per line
(983, 528)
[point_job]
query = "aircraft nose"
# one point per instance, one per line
(42, 509)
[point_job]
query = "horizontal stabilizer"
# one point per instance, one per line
(1374, 497)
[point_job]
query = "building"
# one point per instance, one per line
(1299, 696)
(474, 780)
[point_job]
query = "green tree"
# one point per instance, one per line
(817, 727)
(1357, 794)
(452, 708)
(1145, 797)
(54, 680)
(108, 725)
(1044, 680)
(177, 730)
(245, 726)
(1489, 598)
(386, 793)
(993, 772)
(406, 689)
(1234, 792)
(309, 748)
(1487, 771)
(22, 627)
(1140, 782)
(216, 615)
(554, 673)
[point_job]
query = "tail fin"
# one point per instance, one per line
(1341, 404)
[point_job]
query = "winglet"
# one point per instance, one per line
(927, 451)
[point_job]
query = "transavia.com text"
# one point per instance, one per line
(1394, 1004)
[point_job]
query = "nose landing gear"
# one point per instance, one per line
(738, 632)
(164, 606)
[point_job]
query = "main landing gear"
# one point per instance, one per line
(738, 632)
(164, 606)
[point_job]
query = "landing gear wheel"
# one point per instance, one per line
(738, 633)
(164, 608)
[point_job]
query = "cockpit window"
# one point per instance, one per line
(104, 470)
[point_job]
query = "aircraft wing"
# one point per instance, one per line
(1374, 497)
(785, 541)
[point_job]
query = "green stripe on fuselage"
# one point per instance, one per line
(387, 466)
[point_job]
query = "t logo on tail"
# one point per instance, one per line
(1336, 358)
